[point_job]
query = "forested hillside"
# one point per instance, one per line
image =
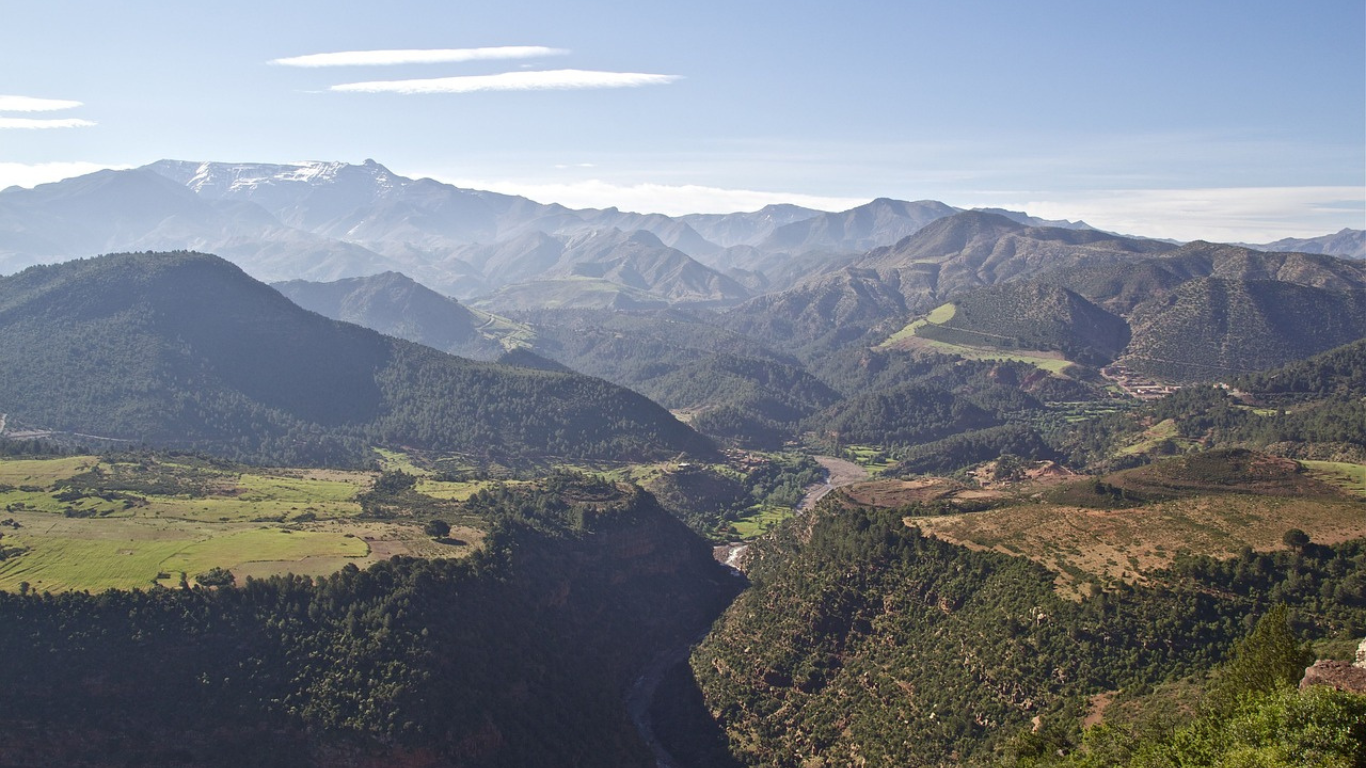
(395, 305)
(184, 349)
(515, 656)
(862, 640)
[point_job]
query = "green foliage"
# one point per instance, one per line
(1295, 539)
(858, 631)
(216, 577)
(1319, 727)
(1212, 328)
(973, 447)
(185, 350)
(905, 415)
(1268, 659)
(514, 656)
(1026, 315)
(1340, 371)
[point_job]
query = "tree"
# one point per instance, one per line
(437, 529)
(1268, 659)
(216, 577)
(1296, 539)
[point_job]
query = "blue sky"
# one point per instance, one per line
(1215, 120)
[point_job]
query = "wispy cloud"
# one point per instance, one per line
(32, 104)
(418, 56)
(549, 80)
(30, 123)
(33, 174)
(1223, 214)
(673, 200)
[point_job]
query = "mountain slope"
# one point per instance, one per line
(1121, 287)
(867, 226)
(1347, 243)
(1029, 315)
(1213, 328)
(395, 305)
(946, 258)
(185, 349)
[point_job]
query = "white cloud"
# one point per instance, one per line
(1221, 214)
(548, 80)
(36, 124)
(428, 56)
(33, 174)
(672, 200)
(32, 104)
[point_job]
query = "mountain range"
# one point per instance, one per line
(329, 220)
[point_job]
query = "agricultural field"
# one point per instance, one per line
(759, 520)
(92, 523)
(909, 338)
(1123, 527)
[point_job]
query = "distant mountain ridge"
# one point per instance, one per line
(1347, 243)
(947, 257)
(325, 221)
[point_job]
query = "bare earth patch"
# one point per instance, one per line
(1082, 544)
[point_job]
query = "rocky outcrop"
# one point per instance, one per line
(1338, 674)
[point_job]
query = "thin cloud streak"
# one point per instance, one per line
(29, 123)
(418, 56)
(1226, 214)
(548, 80)
(34, 104)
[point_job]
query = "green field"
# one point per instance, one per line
(761, 520)
(63, 554)
(1047, 361)
(870, 457)
(1350, 477)
(1155, 436)
(43, 472)
(90, 524)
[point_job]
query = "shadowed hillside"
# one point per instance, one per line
(184, 349)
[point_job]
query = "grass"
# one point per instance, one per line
(1051, 362)
(455, 491)
(938, 316)
(870, 457)
(43, 472)
(393, 461)
(508, 333)
(170, 518)
(761, 520)
(1154, 436)
(265, 544)
(124, 553)
(1349, 477)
